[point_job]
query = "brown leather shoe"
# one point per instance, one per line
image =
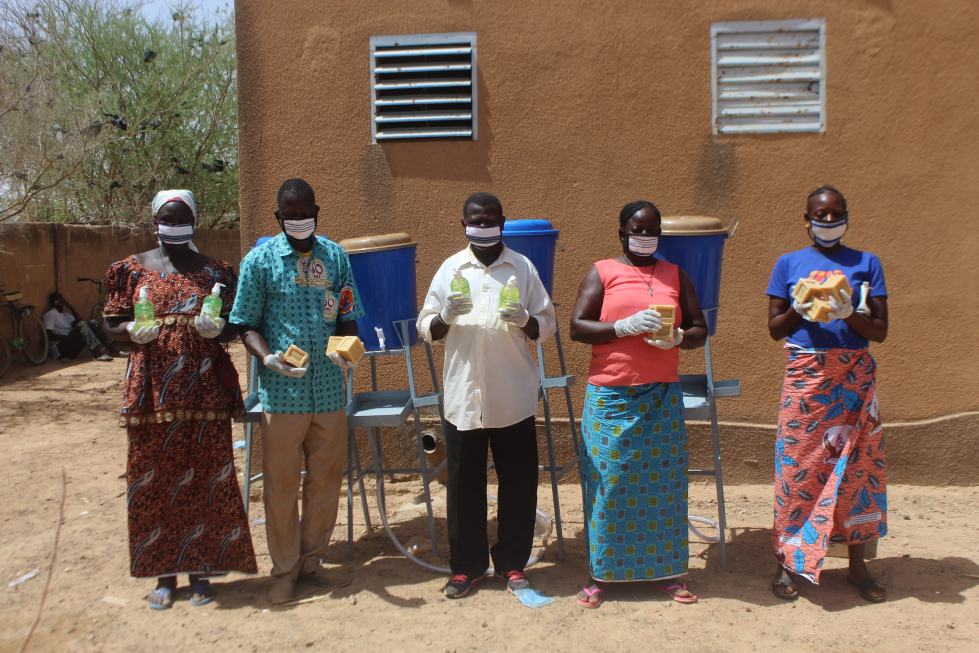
(283, 590)
(326, 578)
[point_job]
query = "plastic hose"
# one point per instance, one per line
(709, 522)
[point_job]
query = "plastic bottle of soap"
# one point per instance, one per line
(510, 294)
(212, 305)
(143, 311)
(459, 284)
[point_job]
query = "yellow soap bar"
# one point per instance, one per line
(295, 356)
(806, 290)
(349, 347)
(834, 285)
(668, 313)
(820, 310)
(665, 332)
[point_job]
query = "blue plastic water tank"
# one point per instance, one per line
(535, 239)
(696, 244)
(384, 271)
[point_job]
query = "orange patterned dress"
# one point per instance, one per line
(185, 508)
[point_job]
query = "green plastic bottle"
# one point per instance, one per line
(143, 311)
(459, 284)
(212, 305)
(510, 294)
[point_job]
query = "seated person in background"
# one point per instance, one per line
(68, 334)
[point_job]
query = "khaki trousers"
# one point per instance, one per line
(320, 440)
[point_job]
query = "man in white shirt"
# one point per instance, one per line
(491, 393)
(68, 334)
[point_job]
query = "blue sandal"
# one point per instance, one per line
(205, 591)
(161, 598)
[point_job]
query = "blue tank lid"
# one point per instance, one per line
(263, 240)
(529, 227)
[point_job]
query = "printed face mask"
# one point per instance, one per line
(483, 236)
(827, 234)
(643, 245)
(299, 229)
(174, 234)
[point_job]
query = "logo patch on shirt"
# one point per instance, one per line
(330, 307)
(311, 272)
(820, 276)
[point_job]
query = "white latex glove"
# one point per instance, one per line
(841, 310)
(645, 321)
(340, 361)
(667, 344)
(802, 309)
(456, 305)
(514, 314)
(209, 327)
(143, 335)
(275, 363)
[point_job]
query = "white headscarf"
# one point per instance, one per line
(176, 195)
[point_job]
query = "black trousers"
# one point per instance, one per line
(515, 456)
(86, 334)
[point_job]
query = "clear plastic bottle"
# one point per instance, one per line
(212, 305)
(143, 311)
(510, 294)
(459, 284)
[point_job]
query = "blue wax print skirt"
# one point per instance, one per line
(634, 472)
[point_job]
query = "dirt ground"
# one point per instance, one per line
(64, 416)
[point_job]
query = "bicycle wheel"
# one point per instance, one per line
(35, 338)
(6, 355)
(96, 314)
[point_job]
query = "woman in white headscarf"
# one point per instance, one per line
(181, 392)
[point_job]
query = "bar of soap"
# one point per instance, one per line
(349, 347)
(668, 315)
(833, 286)
(295, 356)
(806, 290)
(820, 310)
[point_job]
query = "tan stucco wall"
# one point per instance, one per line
(584, 106)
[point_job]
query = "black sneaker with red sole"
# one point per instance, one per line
(460, 585)
(515, 580)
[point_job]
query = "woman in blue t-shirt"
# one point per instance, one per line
(830, 471)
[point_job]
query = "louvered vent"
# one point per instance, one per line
(424, 86)
(769, 77)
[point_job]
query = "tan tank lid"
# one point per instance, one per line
(692, 225)
(376, 243)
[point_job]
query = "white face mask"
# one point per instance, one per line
(299, 229)
(174, 234)
(827, 235)
(643, 245)
(483, 236)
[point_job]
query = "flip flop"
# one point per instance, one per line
(206, 592)
(588, 604)
(105, 358)
(865, 586)
(678, 599)
(160, 599)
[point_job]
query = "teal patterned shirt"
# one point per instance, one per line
(293, 300)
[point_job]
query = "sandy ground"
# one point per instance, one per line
(62, 415)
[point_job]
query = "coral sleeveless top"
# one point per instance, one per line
(628, 290)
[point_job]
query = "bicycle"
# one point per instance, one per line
(30, 337)
(96, 313)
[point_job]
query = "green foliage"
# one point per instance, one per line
(135, 106)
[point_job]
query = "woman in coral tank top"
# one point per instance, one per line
(634, 456)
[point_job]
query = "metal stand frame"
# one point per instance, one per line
(700, 392)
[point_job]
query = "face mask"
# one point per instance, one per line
(174, 234)
(827, 234)
(643, 245)
(482, 236)
(299, 229)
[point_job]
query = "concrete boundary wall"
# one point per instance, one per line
(39, 258)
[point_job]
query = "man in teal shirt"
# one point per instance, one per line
(299, 290)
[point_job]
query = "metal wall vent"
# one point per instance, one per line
(423, 86)
(769, 76)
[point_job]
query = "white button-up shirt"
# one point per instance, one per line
(490, 377)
